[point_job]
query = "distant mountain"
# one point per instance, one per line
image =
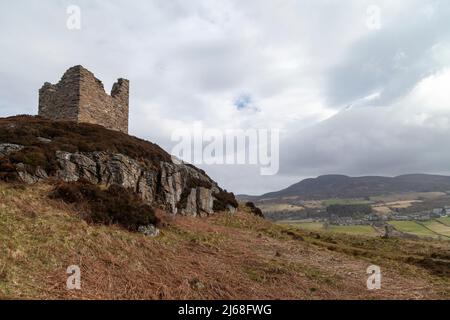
(341, 186)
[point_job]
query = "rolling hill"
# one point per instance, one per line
(341, 186)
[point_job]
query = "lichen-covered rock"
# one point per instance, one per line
(30, 178)
(107, 169)
(76, 166)
(172, 185)
(188, 186)
(149, 231)
(206, 199)
(177, 187)
(147, 186)
(191, 203)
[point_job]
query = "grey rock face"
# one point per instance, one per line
(75, 166)
(107, 169)
(191, 203)
(175, 180)
(171, 185)
(164, 186)
(176, 187)
(231, 209)
(205, 199)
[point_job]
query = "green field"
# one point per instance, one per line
(356, 230)
(329, 202)
(317, 226)
(431, 228)
(310, 226)
(445, 220)
(413, 227)
(437, 227)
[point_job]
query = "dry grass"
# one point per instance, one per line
(221, 257)
(401, 204)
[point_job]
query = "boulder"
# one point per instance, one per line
(149, 231)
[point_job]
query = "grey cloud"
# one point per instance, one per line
(390, 61)
(366, 141)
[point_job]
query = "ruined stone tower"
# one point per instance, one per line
(79, 96)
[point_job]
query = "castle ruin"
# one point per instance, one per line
(79, 96)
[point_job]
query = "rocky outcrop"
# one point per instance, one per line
(166, 186)
(149, 231)
(38, 175)
(177, 187)
(187, 190)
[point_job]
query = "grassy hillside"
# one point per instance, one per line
(224, 256)
(413, 228)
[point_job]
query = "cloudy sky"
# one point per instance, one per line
(356, 87)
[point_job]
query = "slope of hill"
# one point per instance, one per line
(222, 256)
(75, 195)
(341, 186)
(33, 150)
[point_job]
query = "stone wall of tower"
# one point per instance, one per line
(81, 97)
(110, 111)
(60, 101)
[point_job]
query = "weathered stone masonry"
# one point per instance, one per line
(79, 96)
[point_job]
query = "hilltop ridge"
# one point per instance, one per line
(34, 149)
(342, 186)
